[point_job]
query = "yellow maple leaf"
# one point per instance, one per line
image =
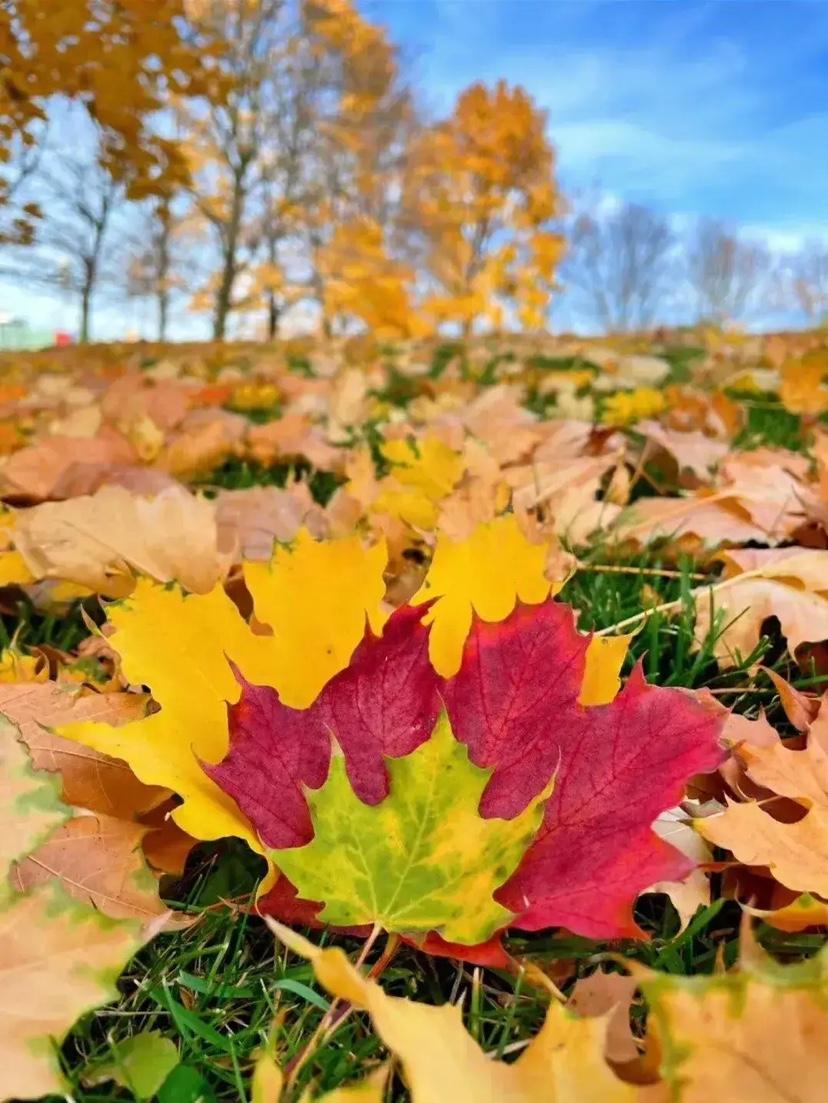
(487, 574)
(564, 1063)
(315, 597)
(422, 475)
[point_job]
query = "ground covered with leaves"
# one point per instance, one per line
(428, 722)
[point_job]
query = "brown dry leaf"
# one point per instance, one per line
(293, 436)
(89, 779)
(166, 846)
(97, 540)
(136, 396)
(602, 994)
(710, 520)
(769, 485)
(508, 429)
(58, 959)
(33, 472)
(692, 451)
(799, 708)
(790, 584)
(29, 807)
(796, 853)
(202, 442)
(251, 520)
(86, 478)
(97, 860)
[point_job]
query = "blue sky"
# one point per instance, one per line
(695, 108)
(717, 108)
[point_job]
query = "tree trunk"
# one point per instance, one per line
(163, 314)
(162, 280)
(229, 271)
(86, 313)
(273, 314)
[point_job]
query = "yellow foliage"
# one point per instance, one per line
(480, 191)
(627, 407)
(804, 389)
(363, 282)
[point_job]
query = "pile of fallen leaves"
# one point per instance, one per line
(314, 599)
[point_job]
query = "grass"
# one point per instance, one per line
(237, 474)
(770, 425)
(217, 988)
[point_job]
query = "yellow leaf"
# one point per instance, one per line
(487, 574)
(13, 569)
(602, 676)
(431, 467)
(178, 645)
(315, 597)
(267, 1081)
(564, 1063)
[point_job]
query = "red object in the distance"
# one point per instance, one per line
(62, 338)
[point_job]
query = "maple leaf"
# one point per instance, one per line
(88, 779)
(796, 853)
(692, 451)
(713, 1035)
(96, 540)
(47, 940)
(58, 959)
(515, 704)
(33, 472)
(420, 860)
(29, 806)
(720, 1038)
(595, 850)
(315, 597)
(786, 583)
(97, 860)
(563, 1063)
(705, 521)
(485, 574)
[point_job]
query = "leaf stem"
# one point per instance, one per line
(670, 606)
(660, 572)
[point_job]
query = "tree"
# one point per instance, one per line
(301, 144)
(809, 281)
(224, 137)
(120, 60)
(71, 255)
(156, 264)
(479, 205)
(726, 273)
(621, 266)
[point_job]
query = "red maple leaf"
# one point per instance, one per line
(514, 703)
